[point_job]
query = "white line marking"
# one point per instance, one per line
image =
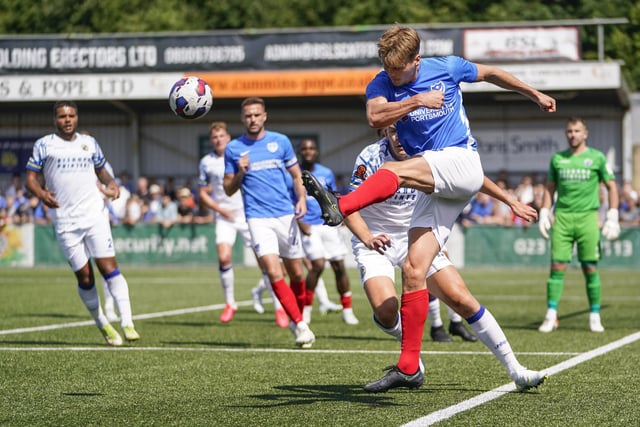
(137, 317)
(259, 350)
(483, 398)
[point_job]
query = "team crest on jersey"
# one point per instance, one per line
(588, 163)
(361, 172)
(85, 148)
(438, 86)
(272, 147)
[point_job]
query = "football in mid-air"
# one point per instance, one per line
(190, 98)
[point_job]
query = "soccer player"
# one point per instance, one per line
(230, 218)
(380, 244)
(322, 242)
(62, 173)
(575, 175)
(422, 96)
(256, 162)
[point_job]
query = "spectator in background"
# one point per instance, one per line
(3, 201)
(629, 210)
(202, 214)
(502, 211)
(133, 210)
(155, 202)
(119, 206)
(143, 188)
(12, 189)
(20, 210)
(125, 181)
(524, 190)
(170, 188)
(4, 218)
(482, 211)
(167, 214)
(40, 211)
(538, 195)
(185, 206)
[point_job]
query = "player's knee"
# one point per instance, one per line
(387, 312)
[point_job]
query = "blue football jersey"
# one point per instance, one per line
(264, 188)
(427, 129)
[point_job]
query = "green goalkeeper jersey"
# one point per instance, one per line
(577, 179)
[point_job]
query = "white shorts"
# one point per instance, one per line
(280, 236)
(372, 264)
(324, 242)
(458, 175)
(226, 231)
(80, 244)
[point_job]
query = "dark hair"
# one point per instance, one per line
(64, 103)
(576, 119)
(251, 101)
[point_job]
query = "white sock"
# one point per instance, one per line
(120, 290)
(395, 331)
(91, 300)
(108, 298)
(321, 293)
(260, 286)
(453, 316)
(492, 336)
(434, 313)
(306, 314)
(226, 280)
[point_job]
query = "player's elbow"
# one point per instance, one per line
(376, 121)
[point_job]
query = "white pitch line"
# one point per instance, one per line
(137, 317)
(262, 350)
(483, 398)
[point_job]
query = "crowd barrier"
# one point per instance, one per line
(478, 246)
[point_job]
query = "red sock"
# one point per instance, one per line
(300, 291)
(345, 300)
(378, 187)
(309, 294)
(288, 300)
(414, 310)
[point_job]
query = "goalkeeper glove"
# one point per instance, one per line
(544, 223)
(611, 227)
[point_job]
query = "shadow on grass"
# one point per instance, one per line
(295, 395)
(82, 394)
(365, 338)
(50, 343)
(53, 315)
(209, 343)
(561, 318)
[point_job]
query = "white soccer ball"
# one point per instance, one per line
(190, 98)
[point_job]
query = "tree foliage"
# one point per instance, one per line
(622, 42)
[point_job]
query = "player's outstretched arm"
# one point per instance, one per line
(525, 212)
(506, 80)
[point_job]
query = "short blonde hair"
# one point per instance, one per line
(218, 126)
(398, 46)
